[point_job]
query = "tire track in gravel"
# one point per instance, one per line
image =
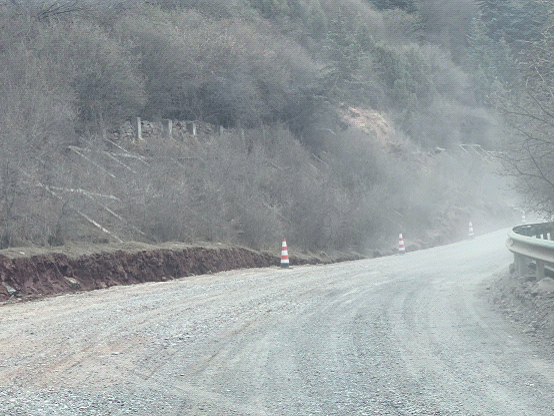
(404, 335)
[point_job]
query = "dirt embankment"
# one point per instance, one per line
(527, 303)
(56, 273)
(31, 276)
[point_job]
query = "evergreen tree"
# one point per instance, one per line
(490, 62)
(512, 20)
(348, 75)
(343, 53)
(316, 21)
(406, 76)
(409, 6)
(271, 9)
(363, 36)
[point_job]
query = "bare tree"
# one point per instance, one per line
(529, 151)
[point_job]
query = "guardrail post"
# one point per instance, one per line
(137, 127)
(520, 264)
(167, 125)
(540, 269)
(191, 127)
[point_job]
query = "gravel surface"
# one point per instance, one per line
(402, 335)
(527, 304)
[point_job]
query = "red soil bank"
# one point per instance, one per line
(56, 273)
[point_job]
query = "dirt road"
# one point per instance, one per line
(403, 335)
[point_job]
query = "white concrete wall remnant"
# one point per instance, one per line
(167, 127)
(137, 127)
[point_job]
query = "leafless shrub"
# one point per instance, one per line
(295, 170)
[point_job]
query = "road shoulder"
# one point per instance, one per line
(526, 303)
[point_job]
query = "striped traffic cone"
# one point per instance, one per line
(401, 248)
(284, 255)
(471, 235)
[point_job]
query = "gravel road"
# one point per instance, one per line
(401, 335)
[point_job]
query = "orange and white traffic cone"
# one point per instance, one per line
(401, 248)
(471, 235)
(284, 255)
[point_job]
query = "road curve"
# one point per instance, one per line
(402, 335)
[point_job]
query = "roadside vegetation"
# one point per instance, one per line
(290, 81)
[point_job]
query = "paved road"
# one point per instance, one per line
(404, 335)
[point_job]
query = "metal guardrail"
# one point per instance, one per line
(532, 243)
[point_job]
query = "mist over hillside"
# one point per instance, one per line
(335, 123)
